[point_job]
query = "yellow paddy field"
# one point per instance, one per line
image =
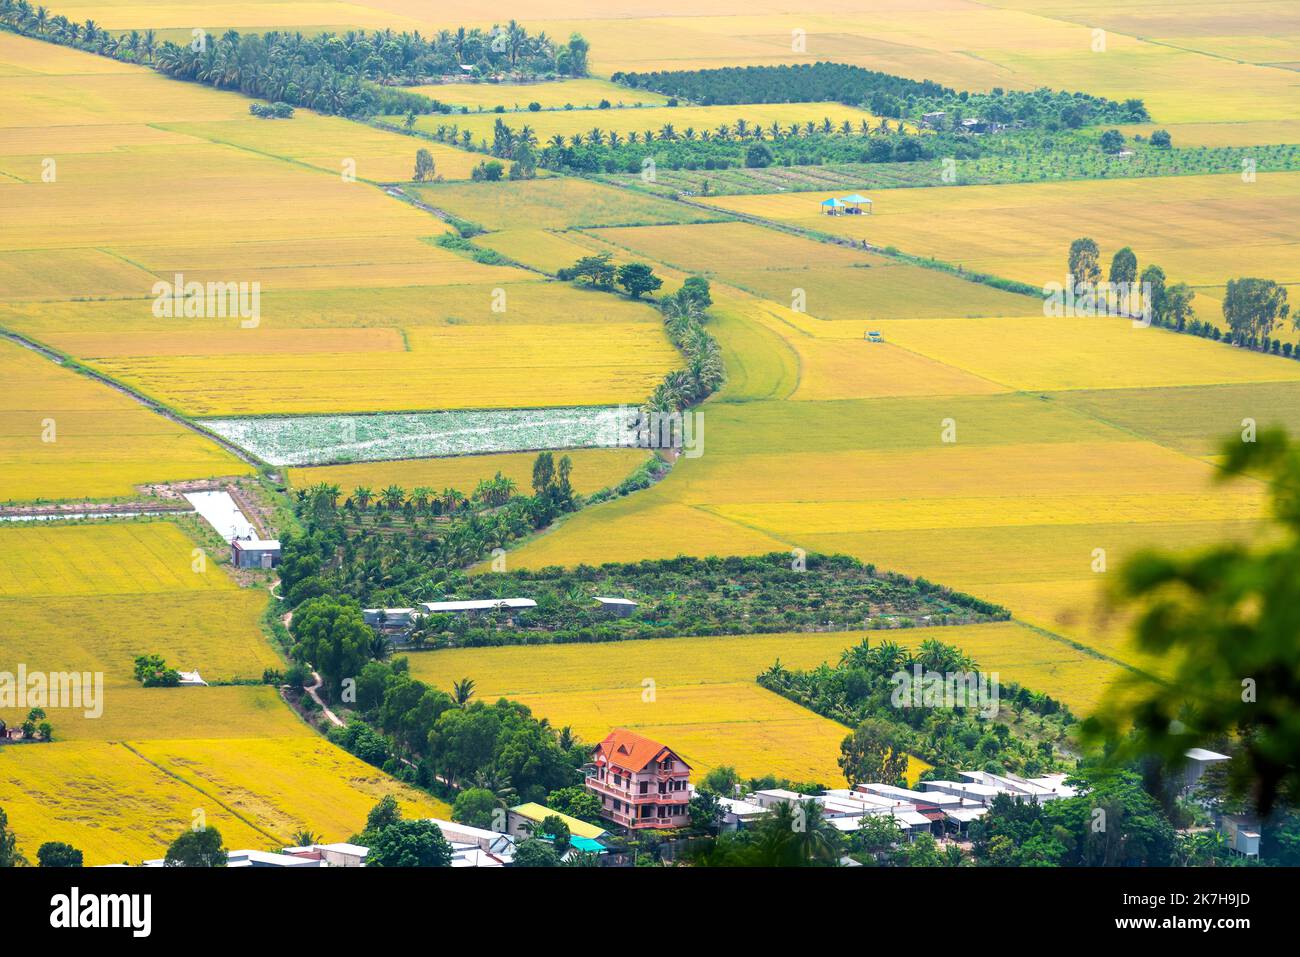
(593, 469)
(1201, 230)
(124, 802)
(123, 783)
(102, 444)
(1180, 57)
(330, 250)
(555, 202)
(827, 282)
(703, 697)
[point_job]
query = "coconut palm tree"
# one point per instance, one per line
(462, 691)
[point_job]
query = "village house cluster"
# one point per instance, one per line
(643, 784)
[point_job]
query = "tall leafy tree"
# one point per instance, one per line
(1227, 620)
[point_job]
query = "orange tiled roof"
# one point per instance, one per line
(632, 751)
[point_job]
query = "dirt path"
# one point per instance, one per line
(313, 690)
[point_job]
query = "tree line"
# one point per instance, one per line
(1252, 308)
(351, 74)
(860, 689)
(729, 145)
(884, 94)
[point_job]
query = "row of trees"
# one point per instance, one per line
(883, 94)
(1252, 308)
(351, 74)
(425, 501)
(430, 737)
(685, 313)
(728, 146)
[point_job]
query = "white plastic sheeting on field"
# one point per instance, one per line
(220, 511)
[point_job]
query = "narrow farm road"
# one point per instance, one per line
(312, 689)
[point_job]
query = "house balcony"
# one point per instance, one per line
(634, 796)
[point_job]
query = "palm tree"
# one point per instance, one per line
(494, 780)
(304, 837)
(393, 496)
(462, 691)
(363, 495)
(380, 648)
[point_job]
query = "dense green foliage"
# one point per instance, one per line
(1227, 618)
(693, 596)
(860, 689)
(352, 74)
(196, 848)
(884, 94)
(58, 854)
(1116, 823)
(425, 736)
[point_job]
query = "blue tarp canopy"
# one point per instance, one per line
(832, 202)
(855, 198)
(586, 844)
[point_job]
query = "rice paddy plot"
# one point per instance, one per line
(698, 693)
(1209, 228)
(447, 367)
(65, 436)
(540, 248)
(125, 802)
(593, 469)
(322, 439)
(824, 280)
(287, 783)
(531, 303)
(122, 558)
(1194, 419)
(553, 203)
(103, 799)
(1084, 353)
(108, 633)
(335, 145)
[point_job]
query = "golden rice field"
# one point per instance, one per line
(103, 443)
(542, 249)
(1072, 438)
(552, 203)
(109, 558)
(124, 802)
(1181, 58)
(652, 120)
(309, 313)
(447, 367)
(1051, 354)
(122, 784)
(334, 145)
(550, 95)
(1201, 230)
(593, 469)
(1030, 484)
(329, 251)
(699, 693)
(827, 282)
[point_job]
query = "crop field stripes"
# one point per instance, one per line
(274, 839)
(153, 405)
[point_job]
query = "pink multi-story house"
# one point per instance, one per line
(640, 783)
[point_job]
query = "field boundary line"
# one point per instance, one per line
(73, 365)
(194, 787)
